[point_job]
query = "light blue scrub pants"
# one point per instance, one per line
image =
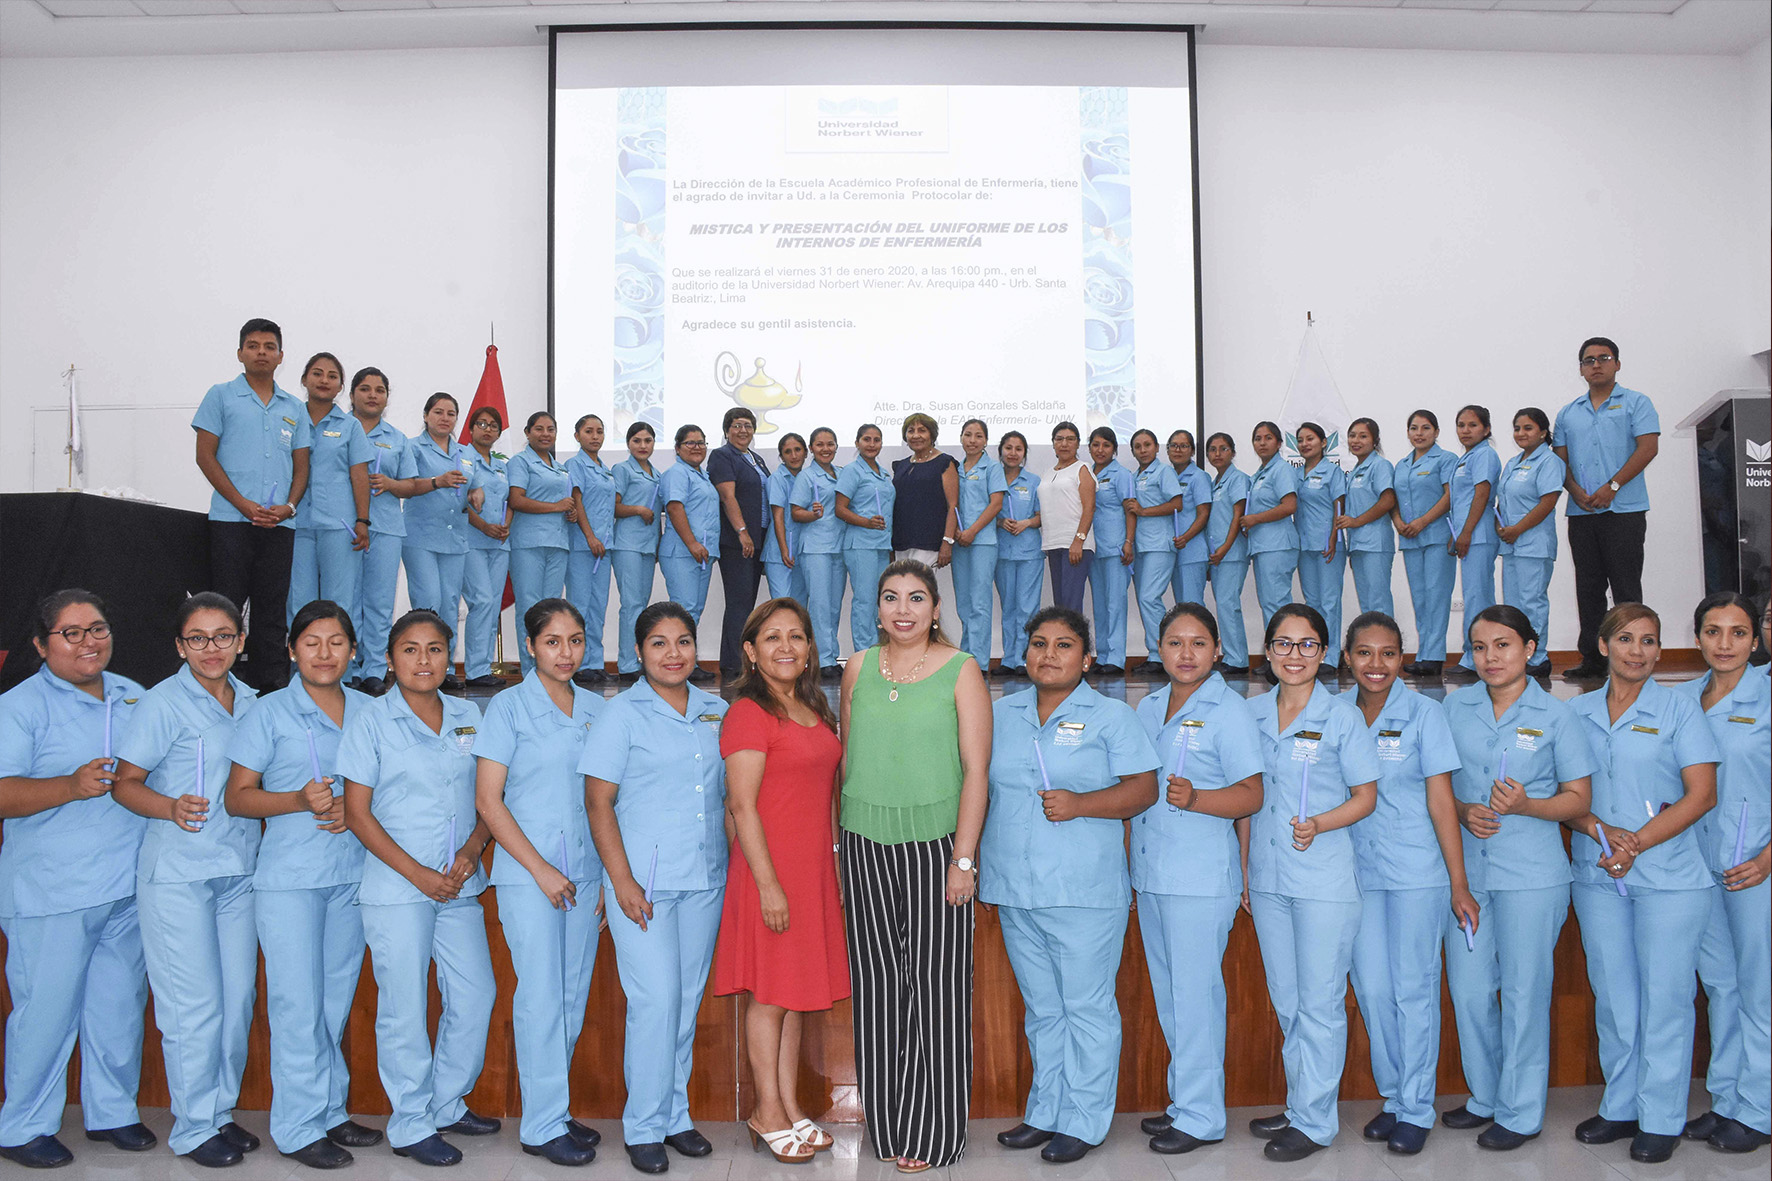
(686, 583)
(434, 581)
(79, 973)
(975, 569)
(1321, 583)
(587, 588)
(553, 952)
(1190, 579)
(824, 575)
(374, 614)
(1152, 574)
(663, 970)
(1501, 998)
(865, 567)
(1372, 580)
(1476, 576)
(313, 945)
(1018, 591)
(1109, 583)
(1432, 570)
(1307, 948)
(1273, 580)
(1228, 578)
(633, 582)
(787, 582)
(537, 572)
(1397, 981)
(1735, 965)
(1642, 949)
(1525, 583)
(483, 583)
(1188, 986)
(202, 951)
(428, 1090)
(1065, 960)
(324, 567)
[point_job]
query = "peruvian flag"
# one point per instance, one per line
(491, 392)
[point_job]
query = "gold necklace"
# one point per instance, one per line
(886, 671)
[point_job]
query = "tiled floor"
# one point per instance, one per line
(1555, 1156)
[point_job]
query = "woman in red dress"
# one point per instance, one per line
(781, 932)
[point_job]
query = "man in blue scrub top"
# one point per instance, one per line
(1606, 437)
(252, 447)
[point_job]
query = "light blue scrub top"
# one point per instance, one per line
(539, 746)
(1228, 488)
(1599, 442)
(389, 456)
(813, 486)
(1545, 746)
(541, 479)
(1371, 478)
(1088, 743)
(1318, 490)
(1156, 483)
(1525, 480)
(1021, 502)
(684, 483)
(977, 485)
(871, 494)
(1479, 465)
(424, 789)
(595, 482)
(174, 716)
(338, 444)
(1113, 488)
(489, 476)
(1419, 482)
(1741, 724)
(1196, 490)
(670, 798)
(638, 488)
(1396, 847)
(273, 741)
(778, 492)
(1270, 485)
(82, 853)
(257, 442)
(1638, 760)
(1175, 852)
(437, 520)
(1330, 737)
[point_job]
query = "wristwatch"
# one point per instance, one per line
(362, 520)
(1612, 484)
(947, 541)
(964, 864)
(1082, 537)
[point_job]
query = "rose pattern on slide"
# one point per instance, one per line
(1108, 359)
(640, 285)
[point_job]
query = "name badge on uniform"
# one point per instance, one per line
(711, 719)
(1526, 738)
(133, 700)
(1305, 745)
(333, 434)
(1644, 730)
(289, 420)
(464, 739)
(1743, 721)
(1390, 745)
(1069, 734)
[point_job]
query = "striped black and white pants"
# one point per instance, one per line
(910, 966)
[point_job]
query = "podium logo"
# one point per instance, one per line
(1759, 456)
(1758, 452)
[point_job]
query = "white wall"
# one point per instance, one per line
(1458, 222)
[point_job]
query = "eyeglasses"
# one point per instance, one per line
(1285, 647)
(694, 443)
(222, 641)
(74, 635)
(1602, 359)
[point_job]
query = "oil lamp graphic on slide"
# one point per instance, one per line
(759, 392)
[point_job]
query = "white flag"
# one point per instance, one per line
(76, 445)
(1312, 397)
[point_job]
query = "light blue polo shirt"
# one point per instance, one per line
(1318, 490)
(1156, 483)
(778, 493)
(1396, 847)
(424, 789)
(1021, 502)
(1638, 760)
(685, 484)
(489, 477)
(595, 482)
(437, 519)
(540, 746)
(82, 853)
(1273, 482)
(272, 740)
(338, 445)
(670, 780)
(639, 488)
(1230, 486)
(257, 444)
(1525, 480)
(871, 494)
(541, 479)
(174, 717)
(1113, 488)
(1479, 465)
(1190, 853)
(1599, 441)
(1545, 746)
(1741, 724)
(1089, 742)
(1371, 478)
(388, 456)
(978, 484)
(815, 485)
(1196, 491)
(1420, 481)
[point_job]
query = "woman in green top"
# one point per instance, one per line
(916, 763)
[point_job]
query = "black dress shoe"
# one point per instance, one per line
(589, 677)
(648, 1158)
(433, 1150)
(352, 1134)
(1500, 1139)
(473, 1125)
(215, 1153)
(1463, 1119)
(1269, 675)
(1423, 668)
(1734, 1136)
(1540, 671)
(489, 681)
(1600, 1130)
(1585, 672)
(453, 683)
(1408, 1139)
(373, 686)
(1231, 670)
(1174, 1142)
(583, 1133)
(239, 1137)
(701, 676)
(130, 1137)
(1652, 1148)
(40, 1152)
(830, 672)
(563, 1150)
(1110, 670)
(321, 1154)
(1063, 1149)
(1023, 1136)
(1290, 1145)
(689, 1143)
(1702, 1127)
(1267, 1129)
(1379, 1127)
(1156, 1125)
(631, 678)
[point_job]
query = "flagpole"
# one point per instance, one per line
(72, 428)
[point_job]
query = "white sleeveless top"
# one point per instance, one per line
(1061, 507)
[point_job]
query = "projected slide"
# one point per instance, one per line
(834, 254)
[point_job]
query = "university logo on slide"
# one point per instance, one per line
(878, 119)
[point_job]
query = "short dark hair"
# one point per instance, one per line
(207, 601)
(655, 613)
(1591, 341)
(919, 419)
(418, 617)
(687, 429)
(1056, 614)
(1368, 619)
(1105, 432)
(733, 415)
(1187, 610)
(50, 607)
(498, 420)
(314, 612)
(1720, 600)
(1302, 611)
(1065, 425)
(1508, 616)
(260, 324)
